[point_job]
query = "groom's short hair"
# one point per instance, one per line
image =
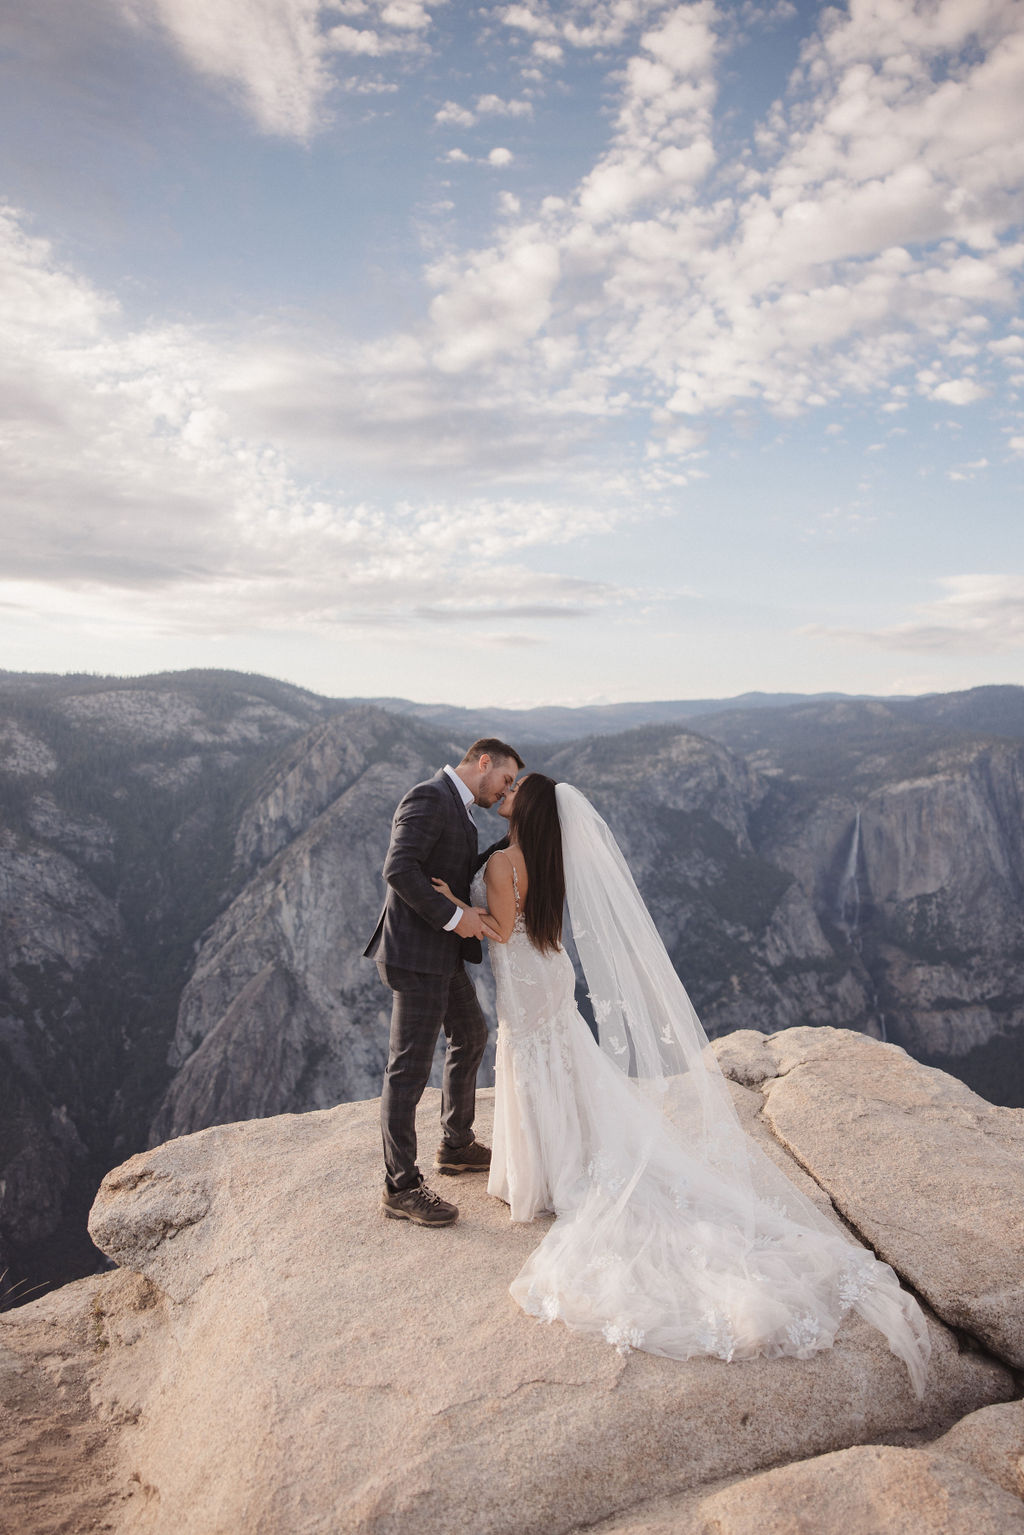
(490, 746)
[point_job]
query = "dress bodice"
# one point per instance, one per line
(532, 989)
(478, 895)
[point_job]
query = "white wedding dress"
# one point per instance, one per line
(674, 1233)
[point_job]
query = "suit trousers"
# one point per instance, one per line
(422, 1005)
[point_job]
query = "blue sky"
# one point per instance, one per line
(515, 353)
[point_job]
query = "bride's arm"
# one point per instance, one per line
(501, 897)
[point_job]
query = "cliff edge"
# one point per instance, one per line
(272, 1356)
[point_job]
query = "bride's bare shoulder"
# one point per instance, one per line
(499, 867)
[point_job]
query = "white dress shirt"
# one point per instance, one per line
(467, 800)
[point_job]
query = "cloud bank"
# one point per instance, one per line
(564, 374)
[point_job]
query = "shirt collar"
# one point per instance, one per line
(467, 794)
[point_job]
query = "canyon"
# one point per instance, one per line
(189, 869)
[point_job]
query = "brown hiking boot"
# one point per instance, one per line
(474, 1158)
(418, 1204)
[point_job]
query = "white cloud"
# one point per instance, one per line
(368, 42)
(361, 85)
(495, 106)
(959, 391)
(868, 248)
(154, 463)
(978, 615)
(452, 113)
(874, 240)
(276, 55)
(410, 15)
(486, 106)
(270, 51)
(662, 147)
(686, 40)
(528, 20)
(968, 471)
(497, 303)
(674, 442)
(361, 41)
(582, 24)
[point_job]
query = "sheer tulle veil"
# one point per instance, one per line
(646, 1021)
(648, 1027)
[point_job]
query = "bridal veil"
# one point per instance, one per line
(686, 1238)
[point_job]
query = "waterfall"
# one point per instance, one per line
(848, 914)
(848, 903)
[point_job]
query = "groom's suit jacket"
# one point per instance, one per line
(432, 836)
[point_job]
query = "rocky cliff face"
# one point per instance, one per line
(117, 809)
(281, 1011)
(742, 932)
(910, 846)
(189, 871)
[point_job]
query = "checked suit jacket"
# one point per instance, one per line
(432, 836)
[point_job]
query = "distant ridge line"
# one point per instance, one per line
(745, 721)
(549, 723)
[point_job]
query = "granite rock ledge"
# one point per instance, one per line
(272, 1355)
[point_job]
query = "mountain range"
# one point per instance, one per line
(189, 870)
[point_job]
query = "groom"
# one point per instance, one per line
(421, 944)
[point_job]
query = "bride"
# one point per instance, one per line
(674, 1234)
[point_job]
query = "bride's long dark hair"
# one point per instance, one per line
(533, 821)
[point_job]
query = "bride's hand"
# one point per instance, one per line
(444, 889)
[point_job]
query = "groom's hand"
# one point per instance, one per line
(477, 923)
